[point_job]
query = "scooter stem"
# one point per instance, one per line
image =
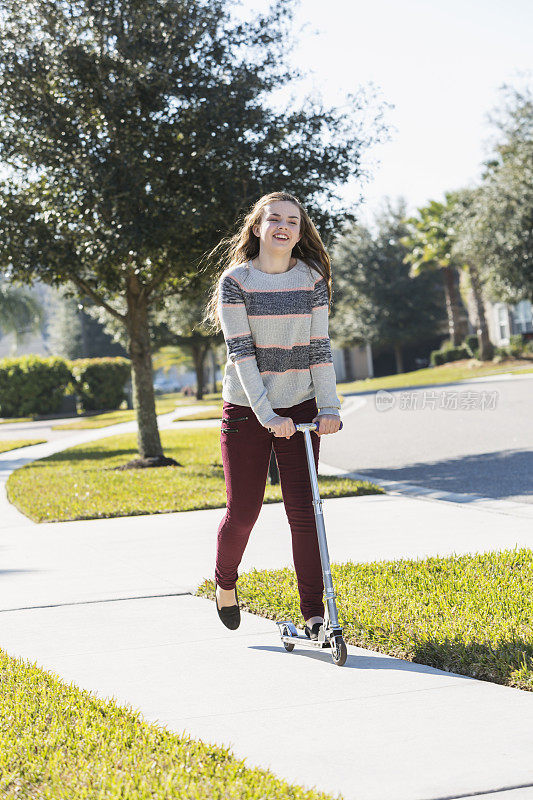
(331, 605)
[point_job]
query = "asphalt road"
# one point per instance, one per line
(469, 437)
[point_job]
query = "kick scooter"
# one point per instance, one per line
(330, 633)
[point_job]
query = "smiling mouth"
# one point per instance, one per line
(282, 238)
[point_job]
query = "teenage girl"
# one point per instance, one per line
(272, 303)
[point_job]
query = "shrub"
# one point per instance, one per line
(439, 357)
(472, 345)
(31, 385)
(100, 382)
(515, 346)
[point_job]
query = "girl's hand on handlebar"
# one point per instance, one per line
(281, 426)
(327, 423)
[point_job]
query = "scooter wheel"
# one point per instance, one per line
(288, 647)
(339, 653)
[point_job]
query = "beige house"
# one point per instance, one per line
(505, 321)
(353, 363)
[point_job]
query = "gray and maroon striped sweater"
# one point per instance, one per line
(276, 332)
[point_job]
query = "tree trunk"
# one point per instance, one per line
(215, 367)
(452, 305)
(347, 364)
(199, 351)
(398, 355)
(486, 348)
(139, 349)
(83, 334)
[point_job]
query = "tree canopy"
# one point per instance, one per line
(376, 300)
(136, 133)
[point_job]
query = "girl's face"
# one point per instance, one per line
(279, 230)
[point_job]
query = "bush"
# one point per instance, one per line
(100, 382)
(31, 385)
(515, 346)
(514, 349)
(442, 356)
(447, 344)
(472, 345)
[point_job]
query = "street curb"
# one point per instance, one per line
(475, 501)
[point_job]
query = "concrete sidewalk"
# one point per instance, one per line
(378, 728)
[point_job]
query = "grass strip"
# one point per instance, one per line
(81, 482)
(164, 404)
(214, 413)
(61, 741)
(14, 444)
(445, 373)
(217, 413)
(470, 614)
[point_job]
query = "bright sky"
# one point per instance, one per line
(439, 63)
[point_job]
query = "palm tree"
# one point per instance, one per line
(429, 247)
(464, 231)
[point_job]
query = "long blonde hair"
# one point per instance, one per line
(244, 246)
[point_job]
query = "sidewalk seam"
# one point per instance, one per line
(104, 600)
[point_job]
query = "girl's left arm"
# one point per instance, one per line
(321, 359)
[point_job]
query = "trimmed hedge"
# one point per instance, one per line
(472, 344)
(35, 386)
(439, 357)
(31, 385)
(100, 382)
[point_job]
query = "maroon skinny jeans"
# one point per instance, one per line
(245, 456)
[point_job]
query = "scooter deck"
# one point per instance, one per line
(304, 641)
(289, 633)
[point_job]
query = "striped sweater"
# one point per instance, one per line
(276, 332)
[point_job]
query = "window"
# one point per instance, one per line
(502, 322)
(522, 317)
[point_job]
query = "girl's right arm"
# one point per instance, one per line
(241, 348)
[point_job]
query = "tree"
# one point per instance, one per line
(174, 325)
(138, 133)
(376, 300)
(497, 233)
(460, 220)
(429, 248)
(76, 334)
(178, 324)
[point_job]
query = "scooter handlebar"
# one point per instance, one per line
(310, 426)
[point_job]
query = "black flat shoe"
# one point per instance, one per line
(230, 615)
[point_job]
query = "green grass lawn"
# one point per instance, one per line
(215, 413)
(80, 483)
(446, 373)
(59, 741)
(467, 614)
(164, 404)
(13, 444)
